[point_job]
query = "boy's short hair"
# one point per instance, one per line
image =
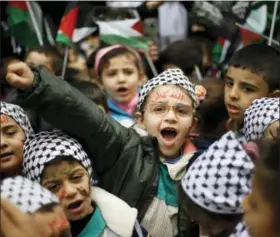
(51, 52)
(92, 91)
(184, 54)
(262, 60)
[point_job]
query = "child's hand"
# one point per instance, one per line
(14, 222)
(19, 75)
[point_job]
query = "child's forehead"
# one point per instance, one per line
(244, 75)
(7, 120)
(165, 88)
(169, 92)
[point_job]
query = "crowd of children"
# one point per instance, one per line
(121, 154)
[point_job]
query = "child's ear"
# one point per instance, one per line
(275, 93)
(140, 120)
(142, 78)
(194, 124)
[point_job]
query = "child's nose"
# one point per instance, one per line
(4, 142)
(121, 78)
(234, 93)
(170, 116)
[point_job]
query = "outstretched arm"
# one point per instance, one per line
(68, 109)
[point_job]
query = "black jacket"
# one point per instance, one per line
(126, 164)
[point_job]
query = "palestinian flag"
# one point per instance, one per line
(219, 50)
(127, 32)
(85, 25)
(249, 37)
(68, 24)
(20, 23)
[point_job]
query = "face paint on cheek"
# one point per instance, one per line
(4, 119)
(61, 194)
(58, 224)
(63, 223)
(83, 191)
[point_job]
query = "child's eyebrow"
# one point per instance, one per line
(249, 84)
(5, 127)
(228, 77)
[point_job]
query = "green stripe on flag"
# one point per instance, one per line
(17, 15)
(134, 42)
(63, 38)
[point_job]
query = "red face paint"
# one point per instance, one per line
(58, 224)
(168, 94)
(61, 194)
(63, 223)
(52, 225)
(4, 118)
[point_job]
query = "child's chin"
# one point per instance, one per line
(170, 153)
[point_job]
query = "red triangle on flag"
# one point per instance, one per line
(68, 22)
(138, 26)
(248, 37)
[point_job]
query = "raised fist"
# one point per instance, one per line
(19, 75)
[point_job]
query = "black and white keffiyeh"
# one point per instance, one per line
(27, 195)
(259, 116)
(168, 77)
(17, 114)
(220, 177)
(46, 146)
(240, 230)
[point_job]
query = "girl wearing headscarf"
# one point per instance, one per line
(59, 163)
(15, 128)
(40, 204)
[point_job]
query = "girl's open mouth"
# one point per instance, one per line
(168, 134)
(122, 90)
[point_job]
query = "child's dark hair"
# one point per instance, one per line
(184, 54)
(267, 174)
(104, 61)
(92, 91)
(212, 113)
(52, 53)
(262, 60)
(197, 213)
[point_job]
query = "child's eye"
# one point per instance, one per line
(77, 177)
(111, 74)
(248, 89)
(158, 109)
(183, 111)
(11, 133)
(53, 187)
(229, 83)
(128, 71)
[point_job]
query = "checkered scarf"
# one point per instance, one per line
(27, 195)
(221, 177)
(240, 230)
(259, 116)
(168, 77)
(17, 114)
(45, 147)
